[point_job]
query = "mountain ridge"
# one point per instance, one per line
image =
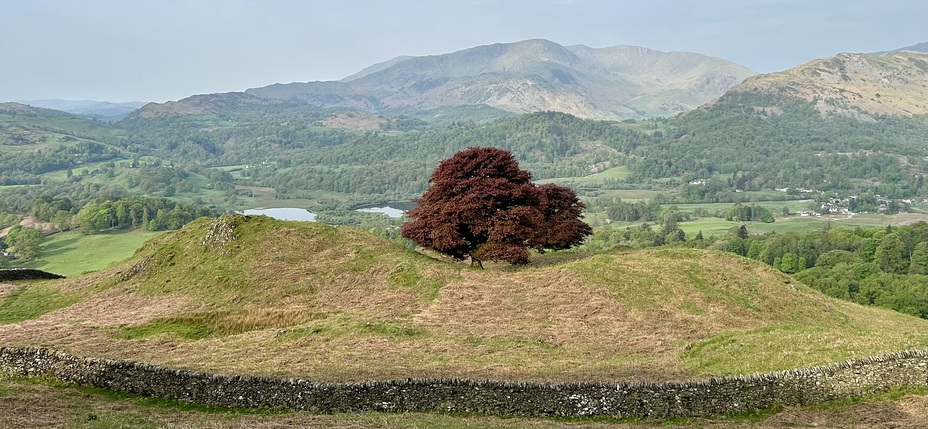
(532, 75)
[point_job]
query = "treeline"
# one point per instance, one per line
(95, 207)
(886, 267)
(138, 212)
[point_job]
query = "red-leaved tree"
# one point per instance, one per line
(483, 206)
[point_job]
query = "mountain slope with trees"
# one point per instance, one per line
(851, 123)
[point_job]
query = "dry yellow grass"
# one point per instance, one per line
(337, 304)
(6, 289)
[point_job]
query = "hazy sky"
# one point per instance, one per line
(146, 50)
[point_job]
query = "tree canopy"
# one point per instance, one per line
(483, 206)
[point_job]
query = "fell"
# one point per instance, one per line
(260, 296)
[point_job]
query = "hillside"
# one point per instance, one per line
(857, 85)
(27, 127)
(847, 124)
(102, 110)
(35, 140)
(257, 295)
(528, 76)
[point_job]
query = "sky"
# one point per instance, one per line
(159, 50)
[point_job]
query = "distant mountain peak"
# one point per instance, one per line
(526, 76)
(918, 47)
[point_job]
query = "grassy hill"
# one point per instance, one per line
(256, 295)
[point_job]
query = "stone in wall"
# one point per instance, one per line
(716, 396)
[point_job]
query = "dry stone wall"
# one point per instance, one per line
(14, 274)
(710, 397)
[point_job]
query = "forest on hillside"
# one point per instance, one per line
(717, 153)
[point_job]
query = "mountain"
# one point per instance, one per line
(103, 110)
(376, 68)
(260, 296)
(918, 47)
(846, 125)
(858, 85)
(528, 76)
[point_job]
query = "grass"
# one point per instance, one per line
(195, 326)
(33, 301)
(591, 180)
(285, 298)
(749, 319)
(72, 253)
(775, 207)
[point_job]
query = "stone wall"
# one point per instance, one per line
(27, 274)
(710, 397)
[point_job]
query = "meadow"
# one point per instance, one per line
(72, 253)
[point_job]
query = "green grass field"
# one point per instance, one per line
(72, 253)
(596, 179)
(776, 207)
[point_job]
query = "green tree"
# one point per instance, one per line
(788, 263)
(94, 217)
(918, 263)
(24, 243)
(890, 254)
(755, 250)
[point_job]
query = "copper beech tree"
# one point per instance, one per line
(483, 206)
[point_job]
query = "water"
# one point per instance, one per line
(284, 213)
(393, 209)
(387, 210)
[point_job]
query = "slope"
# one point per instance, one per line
(857, 85)
(256, 295)
(103, 110)
(36, 140)
(851, 124)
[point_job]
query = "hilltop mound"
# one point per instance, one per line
(255, 295)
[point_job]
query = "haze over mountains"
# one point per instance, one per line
(617, 82)
(104, 110)
(532, 75)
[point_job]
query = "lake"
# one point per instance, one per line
(392, 209)
(284, 213)
(387, 210)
